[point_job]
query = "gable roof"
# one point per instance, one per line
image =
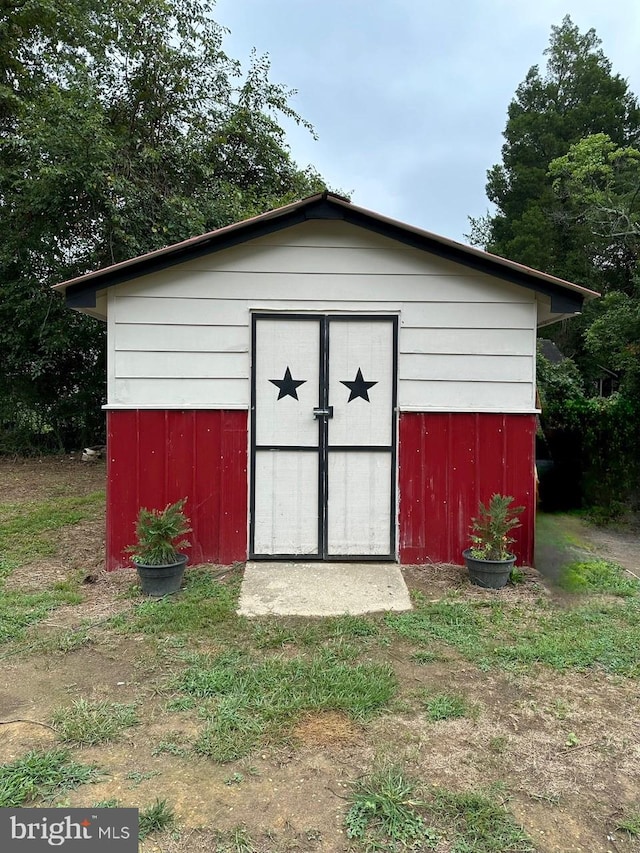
(566, 298)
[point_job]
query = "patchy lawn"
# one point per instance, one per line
(483, 721)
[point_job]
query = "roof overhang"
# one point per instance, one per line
(566, 298)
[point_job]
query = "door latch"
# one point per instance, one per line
(323, 413)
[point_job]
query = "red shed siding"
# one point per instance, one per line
(447, 463)
(156, 457)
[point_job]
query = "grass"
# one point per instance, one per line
(204, 604)
(474, 822)
(446, 706)
(156, 818)
(385, 809)
(27, 529)
(254, 700)
(88, 723)
(19, 610)
(390, 811)
(630, 824)
(595, 635)
(39, 775)
(598, 576)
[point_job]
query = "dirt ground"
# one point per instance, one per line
(567, 792)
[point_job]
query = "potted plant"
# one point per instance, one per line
(156, 554)
(489, 560)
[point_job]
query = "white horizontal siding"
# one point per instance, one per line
(181, 337)
(481, 368)
(304, 286)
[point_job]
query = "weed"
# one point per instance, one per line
(498, 744)
(446, 706)
(139, 776)
(257, 699)
(234, 779)
(236, 840)
(155, 818)
(598, 576)
(88, 723)
(425, 657)
(113, 803)
(171, 746)
(630, 824)
(385, 807)
(476, 823)
(41, 774)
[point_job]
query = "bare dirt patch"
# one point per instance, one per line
(48, 477)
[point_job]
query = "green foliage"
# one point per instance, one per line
(88, 723)
(558, 382)
(476, 823)
(39, 775)
(158, 534)
(125, 128)
(490, 530)
(19, 610)
(598, 576)
(255, 699)
(385, 812)
(446, 706)
(596, 635)
(27, 529)
(596, 444)
(630, 823)
(203, 607)
(576, 95)
(158, 817)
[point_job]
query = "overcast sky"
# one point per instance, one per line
(409, 97)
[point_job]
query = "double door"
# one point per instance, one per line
(323, 434)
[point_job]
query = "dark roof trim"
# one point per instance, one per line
(565, 297)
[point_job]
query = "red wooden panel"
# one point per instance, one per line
(157, 457)
(447, 463)
(434, 459)
(234, 507)
(122, 483)
(207, 484)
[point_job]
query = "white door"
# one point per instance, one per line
(323, 437)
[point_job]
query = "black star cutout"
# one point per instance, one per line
(287, 385)
(358, 388)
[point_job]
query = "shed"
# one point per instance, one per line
(321, 382)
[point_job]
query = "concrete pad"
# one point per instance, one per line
(322, 589)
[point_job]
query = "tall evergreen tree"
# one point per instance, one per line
(576, 95)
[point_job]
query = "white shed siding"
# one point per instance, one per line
(181, 337)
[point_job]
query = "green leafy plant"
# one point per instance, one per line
(159, 534)
(156, 818)
(490, 539)
(385, 808)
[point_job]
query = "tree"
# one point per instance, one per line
(124, 127)
(598, 183)
(577, 95)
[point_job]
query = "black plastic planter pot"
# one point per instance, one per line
(162, 580)
(491, 574)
